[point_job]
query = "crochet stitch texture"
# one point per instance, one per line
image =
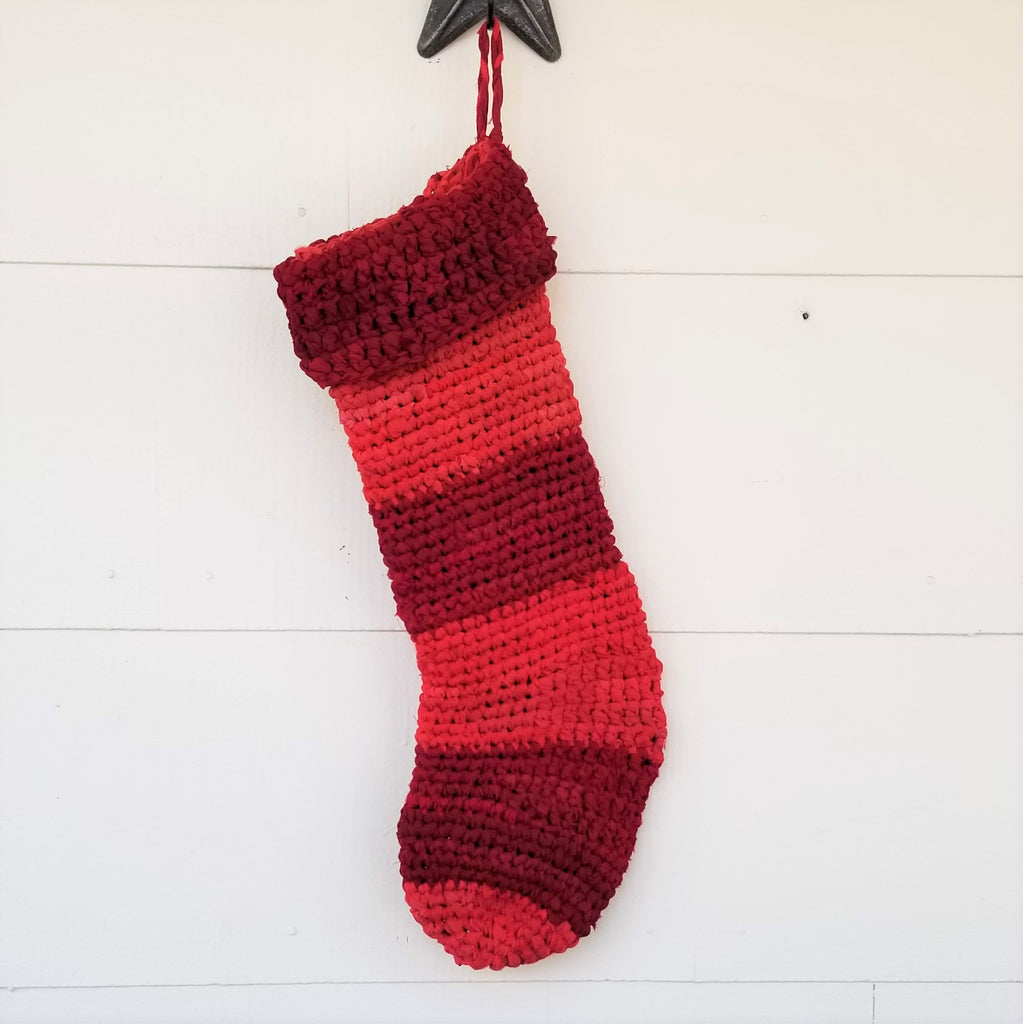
(540, 727)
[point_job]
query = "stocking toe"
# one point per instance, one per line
(481, 926)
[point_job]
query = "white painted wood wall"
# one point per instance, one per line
(207, 701)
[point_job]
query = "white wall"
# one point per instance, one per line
(207, 701)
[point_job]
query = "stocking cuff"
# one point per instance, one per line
(383, 296)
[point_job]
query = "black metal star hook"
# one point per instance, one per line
(530, 20)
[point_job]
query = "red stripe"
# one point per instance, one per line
(481, 397)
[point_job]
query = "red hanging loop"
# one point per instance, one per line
(496, 57)
(482, 85)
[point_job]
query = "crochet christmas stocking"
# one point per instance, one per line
(540, 724)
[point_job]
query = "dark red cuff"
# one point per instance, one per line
(383, 296)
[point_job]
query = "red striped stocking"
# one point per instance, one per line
(540, 724)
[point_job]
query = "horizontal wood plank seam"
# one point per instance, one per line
(573, 273)
(400, 632)
(503, 981)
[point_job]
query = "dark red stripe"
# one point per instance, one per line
(556, 824)
(383, 296)
(499, 536)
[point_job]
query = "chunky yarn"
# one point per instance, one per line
(540, 726)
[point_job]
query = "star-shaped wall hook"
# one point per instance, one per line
(530, 20)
